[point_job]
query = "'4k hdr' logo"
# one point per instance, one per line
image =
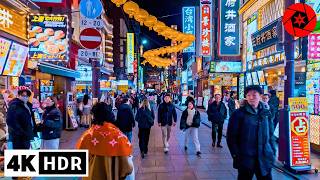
(300, 126)
(299, 20)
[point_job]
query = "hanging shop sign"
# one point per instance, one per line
(85, 73)
(252, 27)
(130, 52)
(48, 38)
(314, 46)
(12, 22)
(300, 78)
(188, 25)
(299, 133)
(231, 67)
(199, 64)
(91, 8)
(4, 51)
(16, 60)
(267, 36)
(206, 29)
(212, 67)
(271, 60)
(229, 29)
(220, 79)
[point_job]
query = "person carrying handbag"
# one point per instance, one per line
(145, 119)
(190, 123)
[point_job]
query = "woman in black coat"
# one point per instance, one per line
(145, 119)
(190, 123)
(51, 125)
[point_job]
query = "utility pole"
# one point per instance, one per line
(284, 147)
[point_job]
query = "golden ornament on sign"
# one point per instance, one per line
(118, 3)
(131, 8)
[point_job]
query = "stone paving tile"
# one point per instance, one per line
(146, 176)
(187, 175)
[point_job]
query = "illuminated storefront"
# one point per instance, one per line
(13, 45)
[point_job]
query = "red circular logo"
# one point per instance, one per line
(299, 20)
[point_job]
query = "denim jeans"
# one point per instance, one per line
(129, 135)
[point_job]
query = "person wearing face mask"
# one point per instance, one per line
(51, 125)
(20, 120)
(250, 137)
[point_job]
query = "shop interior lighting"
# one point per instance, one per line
(279, 73)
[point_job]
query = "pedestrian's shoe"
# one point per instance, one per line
(198, 153)
(213, 145)
(219, 146)
(142, 155)
(167, 144)
(185, 148)
(166, 150)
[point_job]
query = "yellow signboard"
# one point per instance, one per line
(298, 104)
(12, 22)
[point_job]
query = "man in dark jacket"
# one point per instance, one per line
(274, 107)
(125, 118)
(166, 113)
(231, 102)
(250, 137)
(217, 113)
(20, 120)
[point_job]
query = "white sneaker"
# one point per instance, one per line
(166, 150)
(167, 145)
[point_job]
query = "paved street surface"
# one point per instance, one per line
(179, 164)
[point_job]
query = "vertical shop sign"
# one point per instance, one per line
(130, 52)
(199, 64)
(229, 33)
(241, 86)
(206, 28)
(299, 133)
(188, 24)
(314, 46)
(174, 56)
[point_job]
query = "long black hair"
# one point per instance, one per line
(85, 99)
(101, 114)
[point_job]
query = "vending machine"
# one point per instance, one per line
(71, 120)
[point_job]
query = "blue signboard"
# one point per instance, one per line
(266, 37)
(91, 8)
(229, 36)
(188, 24)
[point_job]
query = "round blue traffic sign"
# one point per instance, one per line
(91, 8)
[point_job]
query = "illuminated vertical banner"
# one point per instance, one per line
(188, 24)
(206, 28)
(229, 31)
(130, 52)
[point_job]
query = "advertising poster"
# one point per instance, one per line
(48, 38)
(4, 50)
(249, 79)
(72, 117)
(232, 67)
(16, 60)
(241, 86)
(252, 27)
(299, 133)
(255, 78)
(262, 79)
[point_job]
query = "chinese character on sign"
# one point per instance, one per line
(231, 3)
(205, 21)
(302, 126)
(5, 18)
(230, 27)
(205, 32)
(229, 41)
(230, 14)
(205, 43)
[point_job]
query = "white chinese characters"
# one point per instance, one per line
(5, 18)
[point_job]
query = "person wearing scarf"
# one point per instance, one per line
(190, 123)
(109, 149)
(51, 125)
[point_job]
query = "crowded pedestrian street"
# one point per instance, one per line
(178, 164)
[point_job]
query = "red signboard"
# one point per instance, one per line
(299, 139)
(206, 30)
(90, 38)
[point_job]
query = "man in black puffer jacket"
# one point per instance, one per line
(167, 116)
(20, 120)
(125, 118)
(250, 137)
(217, 113)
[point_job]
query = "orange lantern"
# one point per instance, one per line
(141, 16)
(118, 3)
(159, 26)
(150, 21)
(131, 8)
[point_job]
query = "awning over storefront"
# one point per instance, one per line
(58, 70)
